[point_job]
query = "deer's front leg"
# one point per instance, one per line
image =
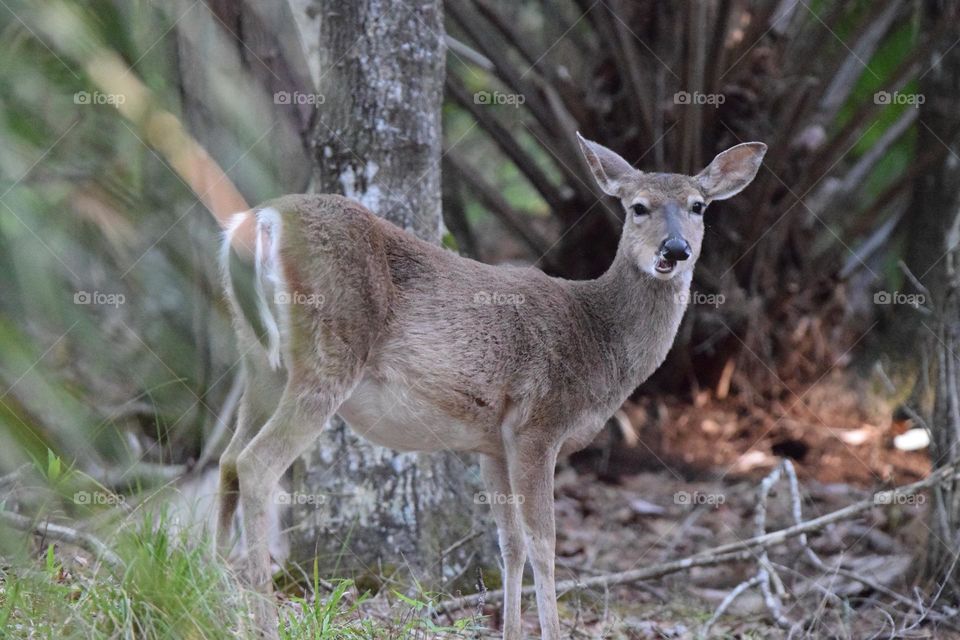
(496, 478)
(531, 478)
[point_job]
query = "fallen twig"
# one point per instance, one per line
(766, 574)
(15, 476)
(62, 533)
(732, 552)
(733, 595)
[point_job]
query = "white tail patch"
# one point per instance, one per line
(270, 283)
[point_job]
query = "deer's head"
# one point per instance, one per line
(663, 230)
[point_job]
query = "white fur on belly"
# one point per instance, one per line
(395, 416)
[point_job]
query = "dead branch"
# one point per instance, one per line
(16, 475)
(64, 534)
(462, 50)
(733, 595)
(508, 143)
(766, 573)
(732, 552)
(516, 221)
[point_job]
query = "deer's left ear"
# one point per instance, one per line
(609, 169)
(731, 171)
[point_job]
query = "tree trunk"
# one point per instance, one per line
(944, 541)
(937, 196)
(377, 140)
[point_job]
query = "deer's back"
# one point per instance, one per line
(437, 339)
(437, 331)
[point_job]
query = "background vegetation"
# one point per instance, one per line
(118, 373)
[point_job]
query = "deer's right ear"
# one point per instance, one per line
(609, 169)
(731, 171)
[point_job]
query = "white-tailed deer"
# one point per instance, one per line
(420, 349)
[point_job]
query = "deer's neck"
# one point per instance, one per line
(635, 317)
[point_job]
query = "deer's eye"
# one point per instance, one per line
(697, 208)
(640, 210)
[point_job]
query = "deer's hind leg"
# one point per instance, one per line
(262, 389)
(307, 403)
(327, 300)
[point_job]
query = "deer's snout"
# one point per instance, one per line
(675, 248)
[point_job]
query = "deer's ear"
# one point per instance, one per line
(609, 169)
(731, 171)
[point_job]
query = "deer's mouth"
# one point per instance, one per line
(664, 265)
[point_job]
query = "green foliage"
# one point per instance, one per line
(171, 587)
(86, 207)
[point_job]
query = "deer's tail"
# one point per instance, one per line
(256, 296)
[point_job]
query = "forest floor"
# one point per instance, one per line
(688, 483)
(835, 431)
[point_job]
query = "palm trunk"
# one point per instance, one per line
(937, 240)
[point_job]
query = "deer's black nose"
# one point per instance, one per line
(676, 249)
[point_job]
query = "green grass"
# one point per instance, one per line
(171, 588)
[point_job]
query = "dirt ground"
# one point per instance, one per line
(833, 432)
(689, 482)
(652, 517)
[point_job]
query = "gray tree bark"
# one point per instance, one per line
(377, 139)
(944, 541)
(935, 249)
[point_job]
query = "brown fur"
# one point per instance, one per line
(419, 348)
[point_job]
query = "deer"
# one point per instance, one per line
(419, 349)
